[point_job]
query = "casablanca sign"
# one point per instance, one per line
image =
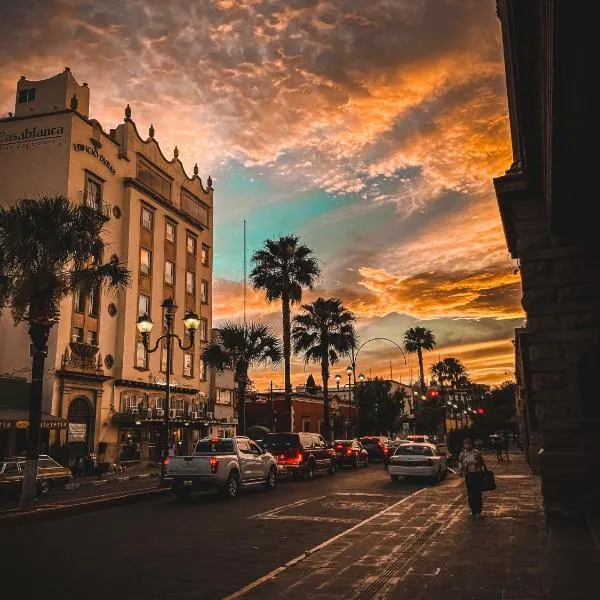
(30, 137)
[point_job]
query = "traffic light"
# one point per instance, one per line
(433, 393)
(480, 411)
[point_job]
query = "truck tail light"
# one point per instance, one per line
(214, 464)
(349, 451)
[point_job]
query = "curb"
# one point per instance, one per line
(120, 479)
(49, 513)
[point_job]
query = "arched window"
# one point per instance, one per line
(79, 416)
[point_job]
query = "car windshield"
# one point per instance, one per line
(216, 446)
(8, 468)
(45, 463)
(281, 441)
(371, 441)
(413, 450)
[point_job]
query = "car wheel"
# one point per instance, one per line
(232, 485)
(332, 468)
(310, 470)
(395, 478)
(182, 493)
(271, 480)
(45, 486)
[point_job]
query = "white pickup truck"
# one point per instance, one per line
(225, 464)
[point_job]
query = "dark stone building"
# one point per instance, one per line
(548, 204)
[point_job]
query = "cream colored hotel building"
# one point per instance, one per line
(160, 221)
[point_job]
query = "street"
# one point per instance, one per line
(394, 537)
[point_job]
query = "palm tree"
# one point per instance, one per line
(282, 269)
(417, 339)
(456, 372)
(324, 332)
(238, 347)
(49, 249)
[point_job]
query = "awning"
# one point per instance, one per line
(18, 418)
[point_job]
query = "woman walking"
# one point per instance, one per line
(471, 464)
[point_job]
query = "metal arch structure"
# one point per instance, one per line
(353, 358)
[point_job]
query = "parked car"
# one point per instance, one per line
(418, 460)
(50, 475)
(376, 446)
(301, 454)
(392, 446)
(225, 464)
(350, 453)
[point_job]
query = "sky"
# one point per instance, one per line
(371, 129)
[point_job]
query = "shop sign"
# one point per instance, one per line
(6, 424)
(77, 432)
(30, 137)
(91, 150)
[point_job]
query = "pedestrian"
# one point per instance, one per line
(472, 465)
(497, 443)
(505, 443)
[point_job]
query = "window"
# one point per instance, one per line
(79, 302)
(254, 448)
(194, 207)
(204, 292)
(93, 194)
(190, 282)
(143, 305)
(203, 330)
(188, 364)
(163, 360)
(95, 302)
(170, 232)
(141, 356)
(147, 218)
(152, 178)
(145, 261)
(190, 244)
(204, 255)
(169, 272)
(77, 334)
(223, 396)
(244, 447)
(92, 338)
(202, 370)
(27, 95)
(306, 425)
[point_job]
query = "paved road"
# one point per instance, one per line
(206, 548)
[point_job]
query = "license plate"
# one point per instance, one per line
(188, 482)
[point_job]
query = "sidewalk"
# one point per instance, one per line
(427, 548)
(135, 472)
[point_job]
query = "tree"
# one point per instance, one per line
(417, 339)
(239, 347)
(499, 405)
(311, 386)
(378, 406)
(49, 249)
(282, 269)
(324, 332)
(450, 371)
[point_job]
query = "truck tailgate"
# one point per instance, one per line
(188, 465)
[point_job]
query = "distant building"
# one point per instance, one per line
(99, 377)
(222, 414)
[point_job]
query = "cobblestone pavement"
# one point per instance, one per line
(426, 547)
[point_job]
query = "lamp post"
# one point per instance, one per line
(145, 325)
(338, 379)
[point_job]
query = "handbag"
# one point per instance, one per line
(488, 481)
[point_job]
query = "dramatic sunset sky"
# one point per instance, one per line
(371, 128)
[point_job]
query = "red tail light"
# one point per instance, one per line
(295, 459)
(349, 451)
(214, 464)
(165, 461)
(339, 447)
(386, 450)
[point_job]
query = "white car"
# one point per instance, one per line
(418, 460)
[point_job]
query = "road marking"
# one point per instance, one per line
(303, 518)
(275, 511)
(322, 545)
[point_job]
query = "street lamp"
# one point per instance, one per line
(145, 325)
(338, 379)
(361, 377)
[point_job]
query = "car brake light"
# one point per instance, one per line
(165, 461)
(349, 451)
(214, 464)
(385, 450)
(339, 447)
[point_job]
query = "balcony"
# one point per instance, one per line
(80, 356)
(91, 201)
(194, 209)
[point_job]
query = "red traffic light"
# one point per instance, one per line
(433, 393)
(480, 411)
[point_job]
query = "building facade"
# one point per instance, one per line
(546, 202)
(159, 222)
(222, 414)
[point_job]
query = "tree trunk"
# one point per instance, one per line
(38, 333)
(287, 353)
(325, 378)
(421, 370)
(241, 403)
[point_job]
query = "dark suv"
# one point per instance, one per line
(301, 454)
(376, 446)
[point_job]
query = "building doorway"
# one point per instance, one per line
(79, 417)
